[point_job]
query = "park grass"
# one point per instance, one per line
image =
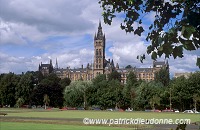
(41, 126)
(72, 119)
(68, 114)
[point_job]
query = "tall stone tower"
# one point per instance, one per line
(99, 52)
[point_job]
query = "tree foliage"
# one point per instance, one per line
(101, 92)
(50, 86)
(46, 101)
(148, 95)
(24, 87)
(163, 76)
(8, 85)
(175, 27)
(184, 90)
(65, 82)
(114, 75)
(20, 102)
(76, 94)
(129, 90)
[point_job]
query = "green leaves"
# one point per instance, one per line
(187, 44)
(198, 62)
(187, 31)
(178, 51)
(141, 57)
(154, 55)
(163, 32)
(139, 30)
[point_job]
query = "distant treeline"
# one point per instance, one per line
(102, 92)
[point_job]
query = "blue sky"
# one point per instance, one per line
(36, 31)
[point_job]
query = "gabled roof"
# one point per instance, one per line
(45, 65)
(143, 69)
(159, 63)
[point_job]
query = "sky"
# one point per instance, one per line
(35, 31)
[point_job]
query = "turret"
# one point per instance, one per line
(56, 64)
(117, 66)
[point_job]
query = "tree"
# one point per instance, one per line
(99, 83)
(76, 95)
(180, 92)
(175, 27)
(114, 75)
(8, 86)
(198, 62)
(129, 89)
(163, 76)
(65, 82)
(25, 87)
(196, 98)
(20, 102)
(46, 101)
(50, 86)
(148, 94)
(154, 100)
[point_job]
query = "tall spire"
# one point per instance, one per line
(50, 62)
(99, 25)
(100, 33)
(112, 63)
(56, 64)
(95, 36)
(117, 66)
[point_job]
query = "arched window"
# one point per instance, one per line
(97, 52)
(100, 52)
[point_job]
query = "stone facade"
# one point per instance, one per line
(101, 65)
(185, 74)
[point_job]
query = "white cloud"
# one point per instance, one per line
(9, 35)
(64, 29)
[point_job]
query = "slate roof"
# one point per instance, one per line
(159, 63)
(143, 69)
(45, 65)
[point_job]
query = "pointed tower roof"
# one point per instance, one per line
(99, 25)
(99, 33)
(95, 36)
(56, 63)
(112, 63)
(117, 66)
(88, 65)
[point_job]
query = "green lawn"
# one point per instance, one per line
(33, 126)
(12, 121)
(98, 114)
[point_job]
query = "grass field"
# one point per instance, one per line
(37, 119)
(97, 114)
(34, 126)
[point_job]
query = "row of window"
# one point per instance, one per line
(145, 75)
(98, 52)
(98, 60)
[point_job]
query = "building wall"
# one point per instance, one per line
(185, 74)
(102, 66)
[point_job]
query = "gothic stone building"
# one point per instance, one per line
(101, 65)
(46, 69)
